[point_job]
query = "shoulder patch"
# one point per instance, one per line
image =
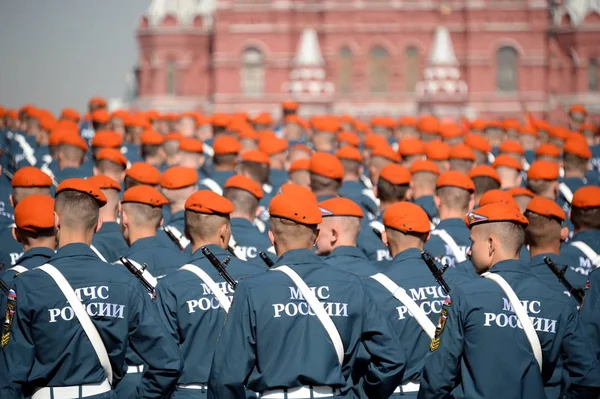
(11, 307)
(435, 341)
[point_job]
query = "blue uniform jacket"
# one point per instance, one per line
(221, 176)
(278, 177)
(478, 327)
(370, 243)
(574, 184)
(351, 259)
(278, 343)
(410, 272)
(6, 210)
(440, 250)
(355, 190)
(34, 257)
(161, 259)
(589, 311)
(250, 241)
(10, 249)
(575, 258)
(48, 346)
(193, 315)
(176, 220)
(427, 203)
(110, 242)
(71, 173)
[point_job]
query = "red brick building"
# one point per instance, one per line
(488, 58)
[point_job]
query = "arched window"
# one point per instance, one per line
(253, 72)
(345, 71)
(593, 75)
(379, 70)
(507, 75)
(411, 69)
(171, 76)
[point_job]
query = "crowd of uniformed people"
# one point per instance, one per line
(333, 232)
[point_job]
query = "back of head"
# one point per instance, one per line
(294, 221)
(484, 184)
(77, 211)
(324, 185)
(585, 210)
(207, 219)
(340, 225)
(406, 226)
(454, 198)
(542, 231)
(393, 184)
(143, 215)
(71, 153)
(243, 202)
(259, 172)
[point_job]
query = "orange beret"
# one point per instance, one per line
(264, 118)
(587, 126)
(528, 130)
(340, 207)
(272, 145)
(385, 151)
(374, 140)
(462, 151)
(559, 132)
(226, 145)
(177, 177)
(144, 195)
(383, 121)
(289, 105)
(395, 174)
(107, 139)
(173, 136)
(496, 212)
(98, 101)
(297, 190)
(546, 207)
(548, 150)
(209, 203)
(246, 184)
(497, 195)
(255, 156)
(407, 217)
(507, 161)
(144, 173)
(451, 130)
(511, 124)
(326, 165)
(541, 124)
(301, 147)
(190, 144)
(104, 182)
(299, 164)
(247, 133)
(220, 120)
(11, 114)
(423, 165)
(113, 155)
(428, 125)
(511, 146)
(587, 197)
(298, 208)
(578, 108)
(520, 192)
(350, 153)
(454, 178)
(543, 170)
(407, 121)
(100, 116)
(437, 150)
(484, 171)
(70, 113)
(152, 137)
(478, 143)
(35, 212)
(83, 186)
(74, 140)
(578, 147)
(411, 146)
(30, 176)
(349, 138)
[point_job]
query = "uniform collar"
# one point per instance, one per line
(451, 223)
(74, 249)
(180, 215)
(586, 235)
(325, 197)
(407, 254)
(298, 256)
(110, 227)
(538, 260)
(215, 249)
(347, 250)
(511, 265)
(241, 222)
(38, 251)
(146, 243)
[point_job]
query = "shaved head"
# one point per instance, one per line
(142, 214)
(77, 211)
(494, 242)
(200, 227)
(292, 234)
(335, 231)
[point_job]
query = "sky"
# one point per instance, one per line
(59, 53)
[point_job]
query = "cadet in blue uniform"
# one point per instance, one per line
(141, 173)
(26, 181)
(6, 209)
(151, 148)
(352, 187)
(255, 165)
(177, 183)
(450, 239)
(299, 356)
(392, 186)
(34, 229)
(485, 178)
(589, 311)
(277, 150)
(479, 323)
(191, 312)
(423, 176)
(245, 195)
(326, 174)
(226, 150)
(406, 230)
(71, 156)
(44, 345)
(108, 242)
(576, 157)
(337, 236)
(582, 253)
(110, 162)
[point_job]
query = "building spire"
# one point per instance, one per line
(442, 51)
(309, 51)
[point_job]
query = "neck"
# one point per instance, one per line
(108, 215)
(552, 248)
(345, 242)
(66, 237)
(241, 215)
(176, 207)
(448, 213)
(507, 183)
(224, 168)
(575, 173)
(197, 244)
(419, 192)
(69, 164)
(45, 243)
(282, 249)
(351, 177)
(326, 191)
(397, 247)
(580, 229)
(140, 232)
(154, 161)
(383, 206)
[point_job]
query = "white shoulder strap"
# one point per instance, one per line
(27, 150)
(370, 194)
(84, 319)
(239, 253)
(377, 225)
(587, 251)
(202, 275)
(521, 315)
(400, 294)
(208, 150)
(102, 258)
(260, 225)
(319, 310)
(267, 188)
(366, 181)
(19, 269)
(447, 238)
(210, 183)
(183, 241)
(565, 191)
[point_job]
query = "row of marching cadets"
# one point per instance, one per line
(229, 256)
